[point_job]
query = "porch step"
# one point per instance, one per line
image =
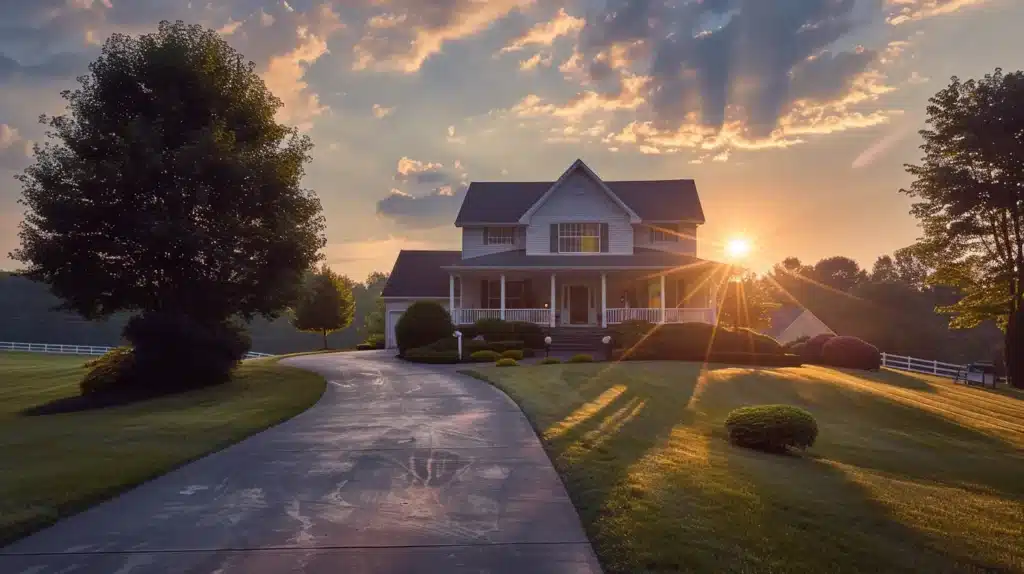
(586, 339)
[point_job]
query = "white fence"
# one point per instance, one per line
(653, 315)
(75, 349)
(899, 362)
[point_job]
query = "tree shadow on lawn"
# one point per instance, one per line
(98, 401)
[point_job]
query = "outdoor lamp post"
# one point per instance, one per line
(547, 346)
(607, 341)
(458, 335)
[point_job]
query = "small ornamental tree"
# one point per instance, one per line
(326, 305)
(168, 187)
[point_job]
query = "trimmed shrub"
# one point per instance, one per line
(851, 353)
(110, 372)
(531, 334)
(528, 352)
(513, 354)
(430, 356)
(469, 346)
(799, 340)
(772, 428)
(695, 342)
(486, 356)
(495, 329)
(799, 349)
(581, 358)
(172, 352)
(753, 342)
(628, 333)
(364, 347)
(506, 362)
(423, 323)
(550, 361)
(812, 348)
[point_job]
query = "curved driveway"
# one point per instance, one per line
(398, 468)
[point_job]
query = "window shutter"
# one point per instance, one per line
(485, 300)
(487, 233)
(554, 238)
(604, 238)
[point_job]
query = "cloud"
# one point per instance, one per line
(545, 33)
(14, 149)
(452, 138)
(446, 188)
(743, 74)
(381, 112)
(536, 60)
(903, 11)
(405, 33)
(284, 43)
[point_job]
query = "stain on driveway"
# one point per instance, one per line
(398, 468)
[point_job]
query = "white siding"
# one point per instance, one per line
(579, 198)
(473, 243)
(687, 245)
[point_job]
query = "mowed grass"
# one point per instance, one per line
(55, 465)
(909, 474)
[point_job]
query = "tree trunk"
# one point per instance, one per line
(325, 339)
(1014, 349)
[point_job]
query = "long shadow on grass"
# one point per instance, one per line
(78, 403)
(813, 508)
(866, 430)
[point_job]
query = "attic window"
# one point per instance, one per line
(665, 233)
(499, 235)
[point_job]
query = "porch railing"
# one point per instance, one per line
(470, 316)
(653, 315)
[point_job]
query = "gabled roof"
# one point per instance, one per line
(578, 165)
(505, 202)
(783, 317)
(419, 274)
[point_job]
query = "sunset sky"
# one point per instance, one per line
(795, 117)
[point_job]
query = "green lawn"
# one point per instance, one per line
(909, 474)
(54, 465)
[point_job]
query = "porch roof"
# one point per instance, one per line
(641, 259)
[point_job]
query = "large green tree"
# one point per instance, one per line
(969, 191)
(748, 301)
(168, 186)
(326, 304)
(839, 272)
(373, 324)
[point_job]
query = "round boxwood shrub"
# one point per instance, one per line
(506, 362)
(772, 428)
(485, 356)
(172, 352)
(110, 372)
(514, 354)
(422, 323)
(550, 361)
(581, 358)
(812, 348)
(851, 353)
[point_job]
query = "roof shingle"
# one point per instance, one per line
(656, 200)
(419, 274)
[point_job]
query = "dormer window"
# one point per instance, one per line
(665, 233)
(579, 237)
(499, 236)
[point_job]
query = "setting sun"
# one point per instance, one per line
(737, 248)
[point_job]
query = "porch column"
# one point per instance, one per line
(604, 300)
(552, 300)
(502, 296)
(451, 298)
(662, 298)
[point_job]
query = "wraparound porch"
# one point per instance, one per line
(582, 298)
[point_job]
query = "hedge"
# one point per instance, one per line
(851, 353)
(427, 355)
(693, 342)
(422, 323)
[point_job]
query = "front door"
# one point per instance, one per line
(579, 304)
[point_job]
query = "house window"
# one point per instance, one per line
(579, 237)
(665, 233)
(500, 235)
(515, 295)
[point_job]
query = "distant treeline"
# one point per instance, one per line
(27, 316)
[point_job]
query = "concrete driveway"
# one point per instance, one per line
(399, 468)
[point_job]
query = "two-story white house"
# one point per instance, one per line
(578, 251)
